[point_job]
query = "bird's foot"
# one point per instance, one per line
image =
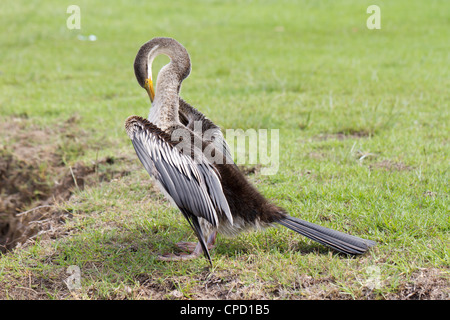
(194, 250)
(178, 257)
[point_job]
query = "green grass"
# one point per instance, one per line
(364, 144)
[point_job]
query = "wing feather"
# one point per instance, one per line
(194, 186)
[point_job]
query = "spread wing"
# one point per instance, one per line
(194, 186)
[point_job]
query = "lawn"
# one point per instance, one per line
(363, 120)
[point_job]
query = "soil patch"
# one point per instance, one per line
(425, 284)
(342, 135)
(35, 176)
(389, 165)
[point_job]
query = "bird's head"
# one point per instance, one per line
(149, 51)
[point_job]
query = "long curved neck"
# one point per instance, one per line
(164, 110)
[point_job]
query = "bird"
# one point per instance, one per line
(208, 188)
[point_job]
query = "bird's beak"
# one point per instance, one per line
(149, 88)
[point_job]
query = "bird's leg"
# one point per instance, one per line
(211, 240)
(190, 246)
(195, 250)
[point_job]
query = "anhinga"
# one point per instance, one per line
(214, 196)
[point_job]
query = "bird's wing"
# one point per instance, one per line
(209, 129)
(193, 185)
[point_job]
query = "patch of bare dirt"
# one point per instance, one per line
(426, 284)
(317, 155)
(345, 134)
(429, 193)
(389, 165)
(35, 177)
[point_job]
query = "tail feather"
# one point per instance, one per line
(337, 240)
